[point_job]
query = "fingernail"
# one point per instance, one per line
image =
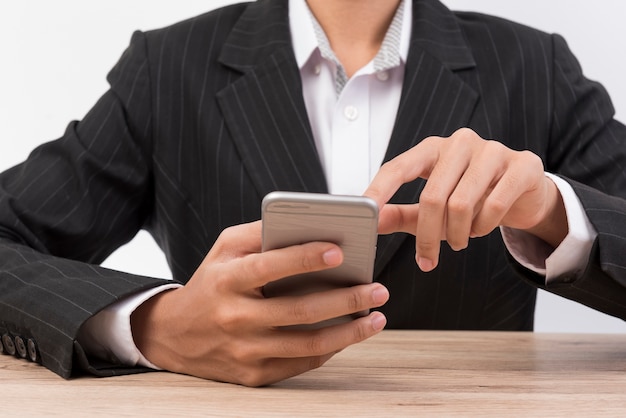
(378, 321)
(425, 264)
(380, 295)
(332, 257)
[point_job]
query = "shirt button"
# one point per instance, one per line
(382, 75)
(317, 69)
(351, 113)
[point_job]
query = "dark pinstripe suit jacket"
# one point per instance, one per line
(205, 117)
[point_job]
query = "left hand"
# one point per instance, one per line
(473, 186)
(220, 327)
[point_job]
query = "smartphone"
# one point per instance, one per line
(291, 218)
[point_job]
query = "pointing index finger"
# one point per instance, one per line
(406, 167)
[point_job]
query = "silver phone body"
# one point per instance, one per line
(291, 218)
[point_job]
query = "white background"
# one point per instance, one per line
(54, 56)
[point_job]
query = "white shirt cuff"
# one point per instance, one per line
(108, 334)
(571, 256)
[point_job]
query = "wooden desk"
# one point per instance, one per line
(398, 373)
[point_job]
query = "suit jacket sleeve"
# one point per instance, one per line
(66, 208)
(588, 145)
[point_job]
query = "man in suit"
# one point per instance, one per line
(205, 117)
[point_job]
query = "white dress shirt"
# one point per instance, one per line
(352, 120)
(351, 123)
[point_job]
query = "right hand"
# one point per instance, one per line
(220, 327)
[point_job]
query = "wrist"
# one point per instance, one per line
(553, 226)
(152, 327)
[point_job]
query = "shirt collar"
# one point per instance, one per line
(394, 49)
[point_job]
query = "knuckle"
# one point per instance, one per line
(435, 141)
(258, 265)
(315, 362)
(228, 320)
(459, 205)
(354, 302)
(254, 377)
(493, 150)
(316, 345)
(427, 247)
(360, 332)
(302, 311)
(531, 158)
(493, 146)
(464, 137)
(463, 134)
(227, 234)
(525, 161)
(497, 204)
(392, 169)
(511, 182)
(243, 354)
(221, 283)
(219, 243)
(431, 197)
(307, 264)
(480, 229)
(533, 163)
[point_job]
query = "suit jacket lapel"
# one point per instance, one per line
(264, 109)
(265, 112)
(435, 100)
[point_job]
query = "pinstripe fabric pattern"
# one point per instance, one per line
(205, 117)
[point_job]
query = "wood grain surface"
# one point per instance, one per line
(396, 374)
